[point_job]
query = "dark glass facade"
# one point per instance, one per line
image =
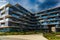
(50, 19)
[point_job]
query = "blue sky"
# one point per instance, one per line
(36, 5)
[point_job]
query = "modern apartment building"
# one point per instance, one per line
(50, 19)
(17, 18)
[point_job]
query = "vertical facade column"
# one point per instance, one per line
(7, 10)
(7, 13)
(0, 17)
(0, 13)
(0, 24)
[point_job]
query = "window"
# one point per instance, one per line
(14, 15)
(2, 24)
(11, 9)
(44, 16)
(3, 13)
(7, 19)
(19, 13)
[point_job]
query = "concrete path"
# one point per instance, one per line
(23, 37)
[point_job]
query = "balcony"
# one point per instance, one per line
(15, 16)
(57, 26)
(4, 15)
(44, 23)
(6, 10)
(45, 27)
(21, 10)
(44, 17)
(2, 25)
(53, 19)
(41, 20)
(53, 15)
(14, 26)
(2, 11)
(54, 23)
(44, 13)
(54, 11)
(2, 21)
(13, 21)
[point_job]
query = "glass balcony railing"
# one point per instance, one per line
(44, 17)
(53, 19)
(15, 16)
(3, 15)
(55, 15)
(2, 21)
(6, 10)
(44, 23)
(2, 25)
(54, 23)
(45, 27)
(50, 23)
(2, 11)
(54, 11)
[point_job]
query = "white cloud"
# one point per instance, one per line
(2, 0)
(26, 4)
(58, 5)
(41, 1)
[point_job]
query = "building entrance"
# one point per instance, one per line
(51, 28)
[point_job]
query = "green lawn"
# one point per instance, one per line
(51, 36)
(19, 33)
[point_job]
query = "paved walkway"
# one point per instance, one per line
(23, 37)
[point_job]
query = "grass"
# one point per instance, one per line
(49, 36)
(52, 36)
(20, 33)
